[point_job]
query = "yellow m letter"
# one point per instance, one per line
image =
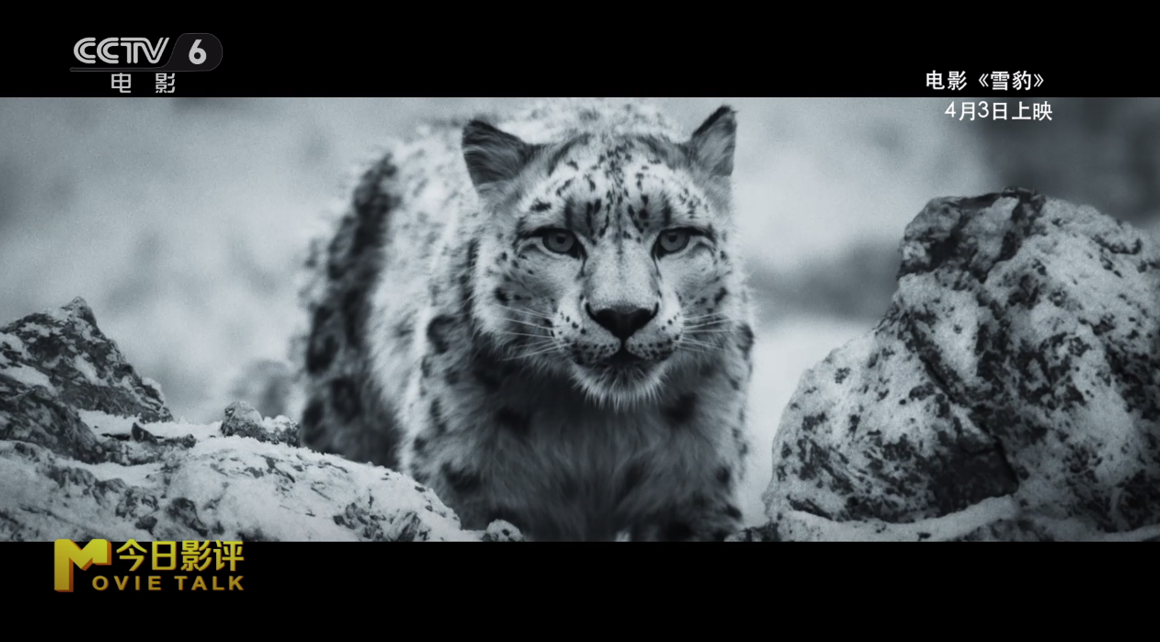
(98, 551)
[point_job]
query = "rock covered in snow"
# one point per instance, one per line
(502, 531)
(56, 364)
(1012, 391)
(74, 359)
(88, 449)
(243, 419)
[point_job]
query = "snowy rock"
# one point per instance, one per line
(243, 419)
(1012, 391)
(56, 364)
(501, 531)
(88, 449)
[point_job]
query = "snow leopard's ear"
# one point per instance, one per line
(492, 155)
(711, 146)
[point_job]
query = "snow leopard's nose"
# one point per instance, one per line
(622, 321)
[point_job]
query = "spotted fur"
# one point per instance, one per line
(542, 319)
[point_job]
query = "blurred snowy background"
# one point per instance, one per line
(183, 221)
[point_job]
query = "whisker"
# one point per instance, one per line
(521, 349)
(686, 340)
(699, 344)
(526, 311)
(711, 315)
(522, 334)
(529, 323)
(528, 355)
(539, 341)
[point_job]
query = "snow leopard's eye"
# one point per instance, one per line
(672, 241)
(560, 241)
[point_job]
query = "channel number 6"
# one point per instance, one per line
(196, 54)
